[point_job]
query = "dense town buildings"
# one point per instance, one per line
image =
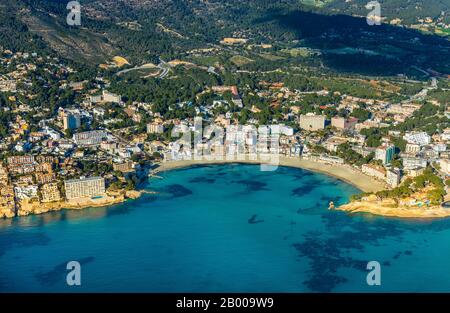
(98, 133)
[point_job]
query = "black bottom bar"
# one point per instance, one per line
(197, 302)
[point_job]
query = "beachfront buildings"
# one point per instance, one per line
(393, 178)
(374, 171)
(7, 201)
(312, 122)
(50, 192)
(385, 153)
(84, 187)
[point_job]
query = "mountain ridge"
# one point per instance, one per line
(143, 30)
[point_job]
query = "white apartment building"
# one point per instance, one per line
(411, 163)
(419, 138)
(88, 138)
(412, 148)
(155, 128)
(84, 187)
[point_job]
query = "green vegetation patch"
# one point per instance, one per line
(240, 60)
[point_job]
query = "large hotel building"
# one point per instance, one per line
(84, 187)
(312, 122)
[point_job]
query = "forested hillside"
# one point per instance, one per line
(144, 30)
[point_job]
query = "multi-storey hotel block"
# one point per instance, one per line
(84, 187)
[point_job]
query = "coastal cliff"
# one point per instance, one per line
(418, 197)
(388, 207)
(35, 207)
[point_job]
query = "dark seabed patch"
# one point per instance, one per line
(252, 185)
(327, 250)
(328, 254)
(177, 190)
(302, 175)
(22, 239)
(305, 189)
(58, 273)
(326, 258)
(254, 220)
(202, 180)
(191, 167)
(316, 209)
(120, 210)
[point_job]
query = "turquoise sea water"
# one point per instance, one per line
(226, 228)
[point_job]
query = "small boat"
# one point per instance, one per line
(331, 205)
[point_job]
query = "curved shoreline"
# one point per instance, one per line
(342, 172)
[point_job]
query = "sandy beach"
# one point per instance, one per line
(343, 172)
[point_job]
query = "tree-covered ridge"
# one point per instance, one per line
(14, 34)
(142, 31)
